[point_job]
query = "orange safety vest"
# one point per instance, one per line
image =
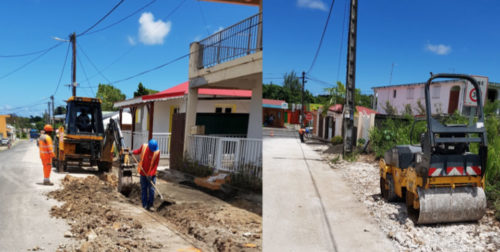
(45, 145)
(156, 154)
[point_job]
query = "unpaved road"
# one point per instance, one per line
(308, 206)
(392, 218)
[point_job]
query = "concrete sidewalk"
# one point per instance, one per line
(309, 207)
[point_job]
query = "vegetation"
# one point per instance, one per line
(141, 90)
(337, 140)
(389, 109)
(246, 181)
(291, 92)
(397, 131)
(194, 168)
(109, 95)
(60, 110)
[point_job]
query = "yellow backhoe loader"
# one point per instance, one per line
(83, 141)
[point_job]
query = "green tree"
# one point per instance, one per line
(109, 95)
(389, 109)
(292, 83)
(141, 90)
(60, 110)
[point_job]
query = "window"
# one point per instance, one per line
(394, 93)
(218, 110)
(409, 94)
(436, 90)
(227, 110)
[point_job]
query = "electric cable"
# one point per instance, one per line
(30, 53)
(30, 61)
(100, 20)
(342, 39)
(322, 36)
(123, 19)
(62, 70)
(85, 73)
(92, 63)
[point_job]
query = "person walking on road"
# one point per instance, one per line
(46, 153)
(150, 156)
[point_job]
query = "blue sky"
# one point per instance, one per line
(143, 41)
(417, 36)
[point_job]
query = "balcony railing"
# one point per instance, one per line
(230, 154)
(238, 40)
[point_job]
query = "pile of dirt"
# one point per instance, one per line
(394, 221)
(93, 221)
(207, 219)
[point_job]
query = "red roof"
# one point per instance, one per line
(360, 109)
(365, 110)
(182, 89)
(273, 102)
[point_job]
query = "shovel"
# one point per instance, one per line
(164, 203)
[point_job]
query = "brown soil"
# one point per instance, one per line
(211, 223)
(219, 225)
(94, 221)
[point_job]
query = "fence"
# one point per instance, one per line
(230, 154)
(141, 137)
(233, 42)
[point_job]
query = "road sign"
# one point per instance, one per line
(309, 116)
(471, 94)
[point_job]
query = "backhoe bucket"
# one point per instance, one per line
(125, 180)
(445, 204)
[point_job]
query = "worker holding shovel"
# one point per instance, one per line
(150, 156)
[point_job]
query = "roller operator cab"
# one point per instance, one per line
(440, 179)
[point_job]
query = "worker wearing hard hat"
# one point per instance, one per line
(150, 157)
(46, 153)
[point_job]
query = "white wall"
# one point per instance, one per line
(404, 95)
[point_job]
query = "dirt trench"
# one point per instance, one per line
(210, 224)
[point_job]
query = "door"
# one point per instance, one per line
(454, 96)
(177, 140)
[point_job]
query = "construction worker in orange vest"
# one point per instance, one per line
(46, 153)
(150, 156)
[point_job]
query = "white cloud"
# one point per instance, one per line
(312, 4)
(152, 32)
(438, 49)
(131, 40)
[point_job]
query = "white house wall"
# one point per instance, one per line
(161, 121)
(413, 93)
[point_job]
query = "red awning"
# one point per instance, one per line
(182, 89)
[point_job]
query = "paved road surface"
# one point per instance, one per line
(24, 210)
(308, 206)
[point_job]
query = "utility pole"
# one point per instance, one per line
(302, 102)
(72, 38)
(53, 112)
(348, 124)
(48, 112)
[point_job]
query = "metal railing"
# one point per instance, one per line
(141, 137)
(163, 140)
(229, 154)
(240, 39)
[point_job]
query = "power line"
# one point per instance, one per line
(100, 20)
(30, 53)
(30, 61)
(62, 70)
(92, 63)
(123, 19)
(322, 36)
(85, 73)
(151, 69)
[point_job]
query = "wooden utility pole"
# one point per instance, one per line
(348, 125)
(53, 112)
(302, 100)
(72, 38)
(48, 112)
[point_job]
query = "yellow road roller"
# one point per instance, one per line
(440, 179)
